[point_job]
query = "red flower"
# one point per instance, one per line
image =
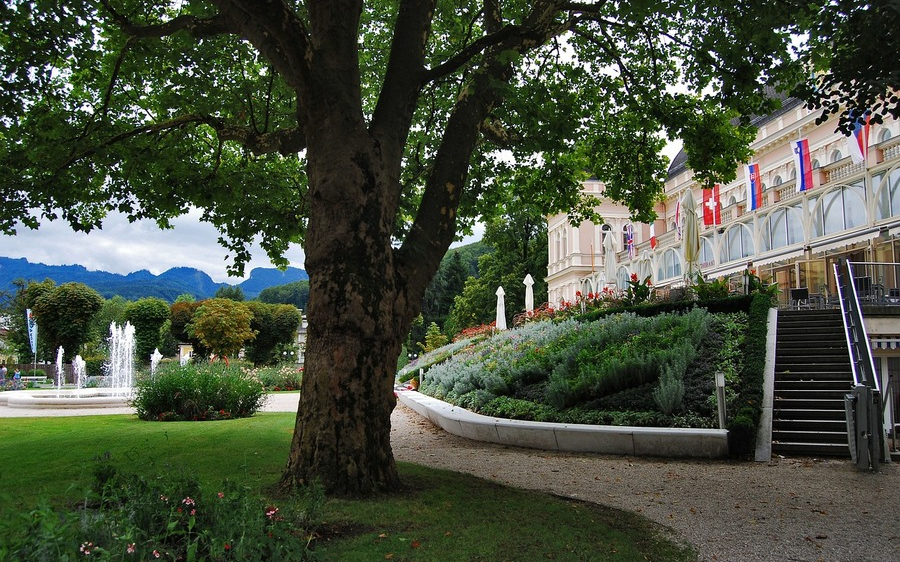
(634, 277)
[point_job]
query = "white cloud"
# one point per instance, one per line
(123, 247)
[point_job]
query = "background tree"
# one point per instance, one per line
(147, 316)
(232, 292)
(372, 131)
(64, 315)
(520, 242)
(222, 325)
(181, 314)
(296, 293)
(275, 326)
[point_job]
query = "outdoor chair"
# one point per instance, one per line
(800, 298)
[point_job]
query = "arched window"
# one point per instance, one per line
(836, 155)
(669, 265)
(625, 236)
(840, 209)
(884, 135)
(777, 181)
(815, 165)
(738, 244)
(556, 248)
(782, 227)
(565, 243)
(707, 256)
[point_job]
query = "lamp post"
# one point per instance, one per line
(720, 397)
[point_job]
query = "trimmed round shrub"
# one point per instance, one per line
(198, 393)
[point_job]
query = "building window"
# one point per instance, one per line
(669, 265)
(738, 244)
(707, 256)
(777, 181)
(840, 209)
(565, 243)
(815, 164)
(888, 195)
(556, 248)
(783, 227)
(884, 135)
(836, 155)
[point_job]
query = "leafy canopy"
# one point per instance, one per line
(151, 108)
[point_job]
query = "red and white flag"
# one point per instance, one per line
(712, 206)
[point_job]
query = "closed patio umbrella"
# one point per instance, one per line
(609, 257)
(690, 243)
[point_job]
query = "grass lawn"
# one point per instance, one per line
(437, 516)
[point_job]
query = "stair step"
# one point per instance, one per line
(802, 414)
(800, 436)
(815, 399)
(812, 385)
(788, 424)
(812, 449)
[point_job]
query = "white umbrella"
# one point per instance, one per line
(609, 257)
(529, 292)
(690, 243)
(501, 309)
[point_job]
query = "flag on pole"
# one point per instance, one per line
(754, 190)
(32, 330)
(712, 206)
(629, 240)
(652, 236)
(858, 143)
(803, 164)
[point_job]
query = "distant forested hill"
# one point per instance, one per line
(139, 284)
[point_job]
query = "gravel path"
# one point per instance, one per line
(801, 509)
(785, 510)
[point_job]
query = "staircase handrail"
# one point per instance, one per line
(861, 362)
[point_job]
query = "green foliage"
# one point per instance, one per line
(168, 517)
(749, 399)
(706, 290)
(198, 393)
(519, 239)
(222, 325)
(433, 338)
(275, 326)
(283, 377)
(147, 316)
(232, 292)
(296, 293)
(64, 315)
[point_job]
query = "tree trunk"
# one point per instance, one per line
(358, 314)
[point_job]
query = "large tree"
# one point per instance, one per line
(371, 132)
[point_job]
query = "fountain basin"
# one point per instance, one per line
(74, 398)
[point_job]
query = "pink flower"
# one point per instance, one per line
(271, 511)
(130, 549)
(188, 501)
(221, 494)
(86, 548)
(155, 553)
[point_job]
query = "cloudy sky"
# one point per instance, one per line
(123, 247)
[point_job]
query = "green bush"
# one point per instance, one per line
(128, 517)
(198, 392)
(284, 377)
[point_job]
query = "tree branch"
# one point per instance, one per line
(197, 27)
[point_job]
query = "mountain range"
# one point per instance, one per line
(139, 284)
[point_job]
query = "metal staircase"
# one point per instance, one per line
(812, 376)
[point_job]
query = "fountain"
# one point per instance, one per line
(120, 374)
(155, 358)
(79, 367)
(120, 370)
(60, 371)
